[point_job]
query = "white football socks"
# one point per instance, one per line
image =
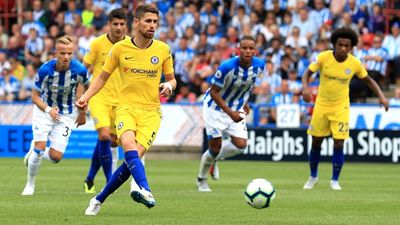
(205, 163)
(33, 167)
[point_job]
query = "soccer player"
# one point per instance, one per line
(141, 61)
(103, 104)
(332, 107)
(224, 109)
(54, 111)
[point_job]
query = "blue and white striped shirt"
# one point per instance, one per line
(58, 88)
(375, 65)
(235, 82)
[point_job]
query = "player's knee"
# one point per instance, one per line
(241, 145)
(103, 136)
(55, 156)
(338, 145)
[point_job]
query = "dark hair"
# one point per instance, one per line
(346, 33)
(247, 37)
(146, 8)
(117, 14)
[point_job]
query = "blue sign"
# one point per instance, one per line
(16, 140)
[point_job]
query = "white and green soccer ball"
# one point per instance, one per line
(259, 193)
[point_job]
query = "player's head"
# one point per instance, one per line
(343, 40)
(146, 20)
(117, 23)
(247, 46)
(64, 51)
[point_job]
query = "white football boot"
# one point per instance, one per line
(335, 185)
(93, 208)
(311, 182)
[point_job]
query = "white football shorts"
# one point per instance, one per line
(44, 128)
(218, 123)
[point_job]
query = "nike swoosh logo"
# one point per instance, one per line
(128, 58)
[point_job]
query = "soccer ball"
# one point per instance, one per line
(259, 193)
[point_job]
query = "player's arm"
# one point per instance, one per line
(377, 90)
(81, 118)
(168, 86)
(53, 112)
(305, 80)
(214, 92)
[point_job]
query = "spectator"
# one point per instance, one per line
(3, 36)
(320, 14)
(72, 10)
(185, 95)
(286, 65)
(84, 41)
(182, 58)
(295, 85)
(48, 50)
(346, 21)
(99, 19)
(15, 50)
(376, 61)
(240, 18)
(286, 26)
(77, 26)
(392, 43)
(9, 85)
(34, 47)
(376, 21)
(272, 78)
(4, 63)
(358, 15)
(284, 96)
(28, 83)
(296, 41)
(192, 38)
(207, 11)
(30, 23)
(17, 69)
(395, 101)
(87, 13)
(308, 27)
(263, 95)
(303, 62)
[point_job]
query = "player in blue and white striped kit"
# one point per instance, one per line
(54, 110)
(225, 108)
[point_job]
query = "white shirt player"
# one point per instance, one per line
(236, 84)
(57, 89)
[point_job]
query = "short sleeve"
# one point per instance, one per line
(90, 56)
(168, 64)
(112, 60)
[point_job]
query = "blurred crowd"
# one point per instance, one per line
(201, 34)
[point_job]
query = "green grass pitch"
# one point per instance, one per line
(370, 195)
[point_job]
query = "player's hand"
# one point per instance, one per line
(385, 103)
(81, 119)
(246, 109)
(54, 114)
(81, 103)
(306, 95)
(166, 89)
(237, 116)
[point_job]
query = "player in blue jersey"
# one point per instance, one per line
(225, 108)
(54, 110)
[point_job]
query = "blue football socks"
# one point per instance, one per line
(105, 158)
(136, 168)
(117, 179)
(95, 164)
(315, 155)
(337, 163)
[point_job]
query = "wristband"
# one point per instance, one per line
(48, 109)
(168, 85)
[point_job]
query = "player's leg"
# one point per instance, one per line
(88, 184)
(337, 163)
(237, 144)
(117, 179)
(34, 161)
(319, 129)
(207, 159)
(105, 151)
(41, 126)
(313, 159)
(340, 131)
